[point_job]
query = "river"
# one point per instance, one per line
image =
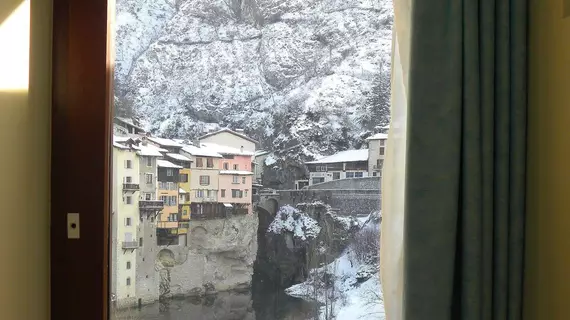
(263, 302)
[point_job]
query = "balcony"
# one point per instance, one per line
(167, 225)
(130, 187)
(130, 245)
(151, 204)
(377, 167)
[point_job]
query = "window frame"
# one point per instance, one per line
(206, 183)
(81, 32)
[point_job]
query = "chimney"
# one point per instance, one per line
(144, 142)
(241, 149)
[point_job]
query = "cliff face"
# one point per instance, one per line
(219, 256)
(299, 238)
(292, 72)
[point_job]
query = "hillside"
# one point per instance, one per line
(304, 73)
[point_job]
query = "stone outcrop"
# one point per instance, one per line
(285, 258)
(218, 256)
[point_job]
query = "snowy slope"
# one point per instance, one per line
(288, 71)
(357, 301)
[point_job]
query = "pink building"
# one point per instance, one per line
(235, 179)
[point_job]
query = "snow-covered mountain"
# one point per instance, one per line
(289, 72)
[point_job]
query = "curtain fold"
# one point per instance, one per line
(462, 210)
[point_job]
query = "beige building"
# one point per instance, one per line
(204, 180)
(125, 217)
(376, 153)
(227, 137)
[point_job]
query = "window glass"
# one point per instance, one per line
(276, 104)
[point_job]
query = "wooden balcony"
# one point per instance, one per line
(131, 187)
(151, 205)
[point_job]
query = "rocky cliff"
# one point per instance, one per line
(218, 256)
(291, 72)
(299, 238)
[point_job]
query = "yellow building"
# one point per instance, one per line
(168, 177)
(184, 188)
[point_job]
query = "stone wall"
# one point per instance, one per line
(345, 201)
(351, 183)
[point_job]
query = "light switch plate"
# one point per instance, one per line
(73, 226)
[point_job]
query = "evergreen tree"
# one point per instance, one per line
(376, 110)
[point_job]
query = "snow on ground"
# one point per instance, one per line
(352, 280)
(359, 300)
(292, 220)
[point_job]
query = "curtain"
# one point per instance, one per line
(461, 210)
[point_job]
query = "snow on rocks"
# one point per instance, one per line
(290, 219)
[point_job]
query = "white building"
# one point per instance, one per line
(377, 153)
(227, 137)
(342, 165)
(125, 217)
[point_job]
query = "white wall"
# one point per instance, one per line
(25, 102)
(230, 140)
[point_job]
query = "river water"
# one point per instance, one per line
(263, 302)
(225, 306)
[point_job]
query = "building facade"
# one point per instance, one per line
(125, 218)
(234, 138)
(343, 165)
(377, 153)
(150, 207)
(204, 182)
(168, 177)
(236, 180)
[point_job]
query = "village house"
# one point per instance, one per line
(342, 165)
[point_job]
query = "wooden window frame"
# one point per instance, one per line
(82, 83)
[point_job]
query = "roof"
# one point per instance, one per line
(228, 130)
(129, 122)
(149, 150)
(236, 172)
(226, 150)
(202, 152)
(178, 157)
(165, 142)
(378, 136)
(119, 146)
(228, 205)
(260, 153)
(344, 156)
(167, 164)
(180, 190)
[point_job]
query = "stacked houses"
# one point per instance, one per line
(159, 186)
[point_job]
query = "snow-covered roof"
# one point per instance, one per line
(344, 156)
(149, 150)
(178, 157)
(180, 190)
(228, 130)
(259, 153)
(236, 172)
(165, 142)
(226, 149)
(378, 136)
(129, 122)
(228, 205)
(202, 152)
(167, 164)
(119, 146)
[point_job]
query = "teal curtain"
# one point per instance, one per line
(465, 173)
